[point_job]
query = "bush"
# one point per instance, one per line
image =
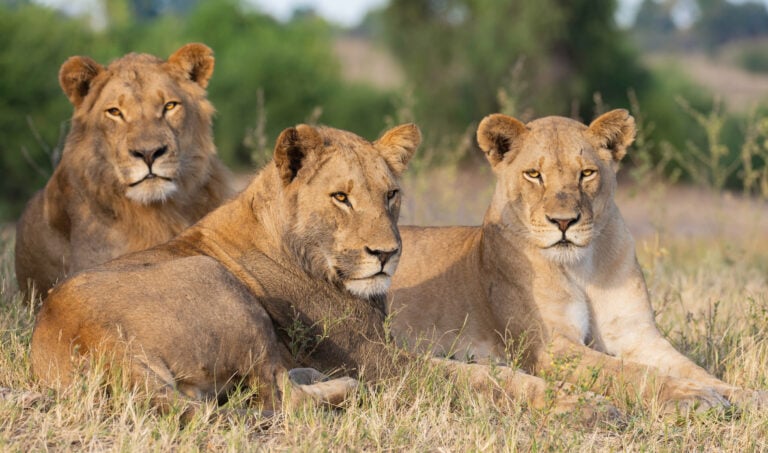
(33, 109)
(754, 57)
(292, 65)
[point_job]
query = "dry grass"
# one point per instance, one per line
(709, 287)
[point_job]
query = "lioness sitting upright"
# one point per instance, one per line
(551, 270)
(294, 268)
(139, 164)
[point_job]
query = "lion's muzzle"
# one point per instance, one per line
(149, 155)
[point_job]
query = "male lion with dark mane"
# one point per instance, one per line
(552, 271)
(139, 164)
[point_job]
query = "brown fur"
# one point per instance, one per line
(512, 286)
(218, 304)
(96, 207)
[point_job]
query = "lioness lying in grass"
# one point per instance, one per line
(551, 275)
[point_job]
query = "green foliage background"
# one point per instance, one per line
(292, 64)
(462, 59)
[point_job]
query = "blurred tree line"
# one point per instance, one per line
(552, 55)
(269, 75)
(713, 23)
(463, 59)
(468, 58)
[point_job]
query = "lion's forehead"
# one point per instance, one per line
(356, 170)
(140, 87)
(558, 145)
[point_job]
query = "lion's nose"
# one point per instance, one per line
(564, 224)
(149, 155)
(382, 255)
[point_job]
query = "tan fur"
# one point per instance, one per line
(512, 286)
(254, 288)
(217, 305)
(137, 113)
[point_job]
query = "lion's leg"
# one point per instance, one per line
(309, 384)
(284, 389)
(154, 378)
(640, 342)
(506, 382)
(602, 373)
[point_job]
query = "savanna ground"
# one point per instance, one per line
(705, 257)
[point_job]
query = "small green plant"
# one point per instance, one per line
(646, 169)
(754, 155)
(255, 139)
(712, 165)
(304, 339)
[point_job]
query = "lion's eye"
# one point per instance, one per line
(588, 172)
(114, 111)
(532, 174)
(392, 193)
(341, 197)
(170, 105)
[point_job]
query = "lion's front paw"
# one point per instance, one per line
(748, 398)
(23, 398)
(312, 383)
(589, 408)
(681, 395)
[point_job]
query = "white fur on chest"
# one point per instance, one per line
(577, 311)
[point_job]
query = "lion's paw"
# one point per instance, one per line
(590, 409)
(23, 398)
(748, 398)
(684, 396)
(311, 382)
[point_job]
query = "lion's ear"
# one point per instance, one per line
(615, 131)
(292, 148)
(496, 135)
(75, 77)
(398, 145)
(196, 61)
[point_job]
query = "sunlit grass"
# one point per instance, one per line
(710, 294)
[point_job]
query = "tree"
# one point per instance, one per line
(721, 21)
(458, 53)
(33, 110)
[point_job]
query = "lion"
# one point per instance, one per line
(294, 271)
(551, 276)
(139, 164)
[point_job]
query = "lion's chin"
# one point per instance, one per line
(156, 190)
(565, 253)
(369, 288)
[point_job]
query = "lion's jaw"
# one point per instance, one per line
(150, 183)
(370, 278)
(563, 247)
(339, 259)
